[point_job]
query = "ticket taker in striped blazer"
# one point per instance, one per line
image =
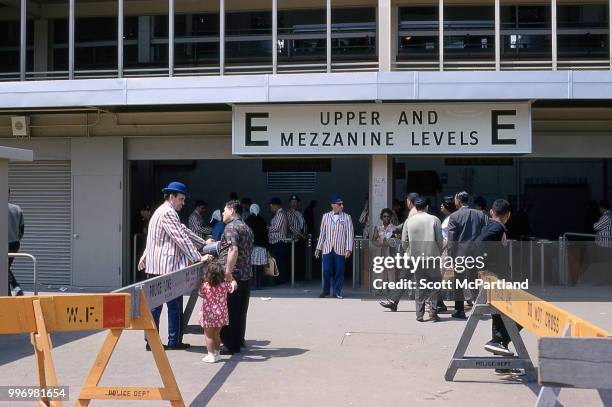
(336, 244)
(170, 247)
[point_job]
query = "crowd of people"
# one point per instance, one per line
(463, 231)
(246, 242)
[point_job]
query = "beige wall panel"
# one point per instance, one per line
(97, 156)
(190, 148)
(125, 124)
(572, 147)
(43, 149)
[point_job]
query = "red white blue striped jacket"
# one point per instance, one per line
(337, 236)
(170, 245)
(279, 225)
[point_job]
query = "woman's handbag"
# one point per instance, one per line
(271, 269)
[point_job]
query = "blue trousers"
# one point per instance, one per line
(279, 251)
(333, 267)
(175, 319)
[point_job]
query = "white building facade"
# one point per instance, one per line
(117, 98)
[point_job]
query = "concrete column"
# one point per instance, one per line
(41, 45)
(71, 40)
(23, 43)
(120, 18)
(328, 35)
(383, 37)
(221, 37)
(170, 37)
(274, 36)
(381, 185)
(441, 33)
(553, 35)
(497, 36)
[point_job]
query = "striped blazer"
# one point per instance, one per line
(279, 225)
(337, 236)
(170, 245)
(603, 228)
(296, 223)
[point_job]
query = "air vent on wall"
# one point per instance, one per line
(292, 182)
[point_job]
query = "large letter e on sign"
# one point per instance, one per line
(249, 128)
(495, 127)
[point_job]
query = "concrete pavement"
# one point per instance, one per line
(305, 351)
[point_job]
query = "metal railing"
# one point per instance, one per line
(321, 67)
(34, 265)
(525, 258)
(535, 250)
(564, 242)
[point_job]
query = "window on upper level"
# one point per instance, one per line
(10, 37)
(248, 38)
(469, 33)
(196, 41)
(353, 34)
(582, 32)
(525, 36)
(418, 35)
(302, 37)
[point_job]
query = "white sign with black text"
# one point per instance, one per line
(388, 128)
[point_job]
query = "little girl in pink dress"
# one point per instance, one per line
(213, 315)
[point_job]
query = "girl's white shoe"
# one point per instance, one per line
(211, 358)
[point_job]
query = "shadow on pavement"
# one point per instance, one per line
(257, 351)
(18, 346)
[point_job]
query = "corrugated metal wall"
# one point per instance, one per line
(43, 190)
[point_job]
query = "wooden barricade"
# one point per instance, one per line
(40, 315)
(578, 363)
(553, 326)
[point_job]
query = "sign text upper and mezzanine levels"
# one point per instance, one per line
(389, 128)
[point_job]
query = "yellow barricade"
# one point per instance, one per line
(40, 315)
(539, 317)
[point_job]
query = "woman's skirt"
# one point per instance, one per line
(259, 257)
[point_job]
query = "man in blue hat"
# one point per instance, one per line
(170, 247)
(336, 244)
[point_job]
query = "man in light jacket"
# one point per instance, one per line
(422, 237)
(170, 247)
(336, 244)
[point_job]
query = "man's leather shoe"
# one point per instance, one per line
(434, 318)
(459, 315)
(323, 295)
(226, 351)
(148, 348)
(178, 346)
(441, 308)
(420, 319)
(389, 304)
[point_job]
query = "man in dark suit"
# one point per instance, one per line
(493, 241)
(464, 225)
